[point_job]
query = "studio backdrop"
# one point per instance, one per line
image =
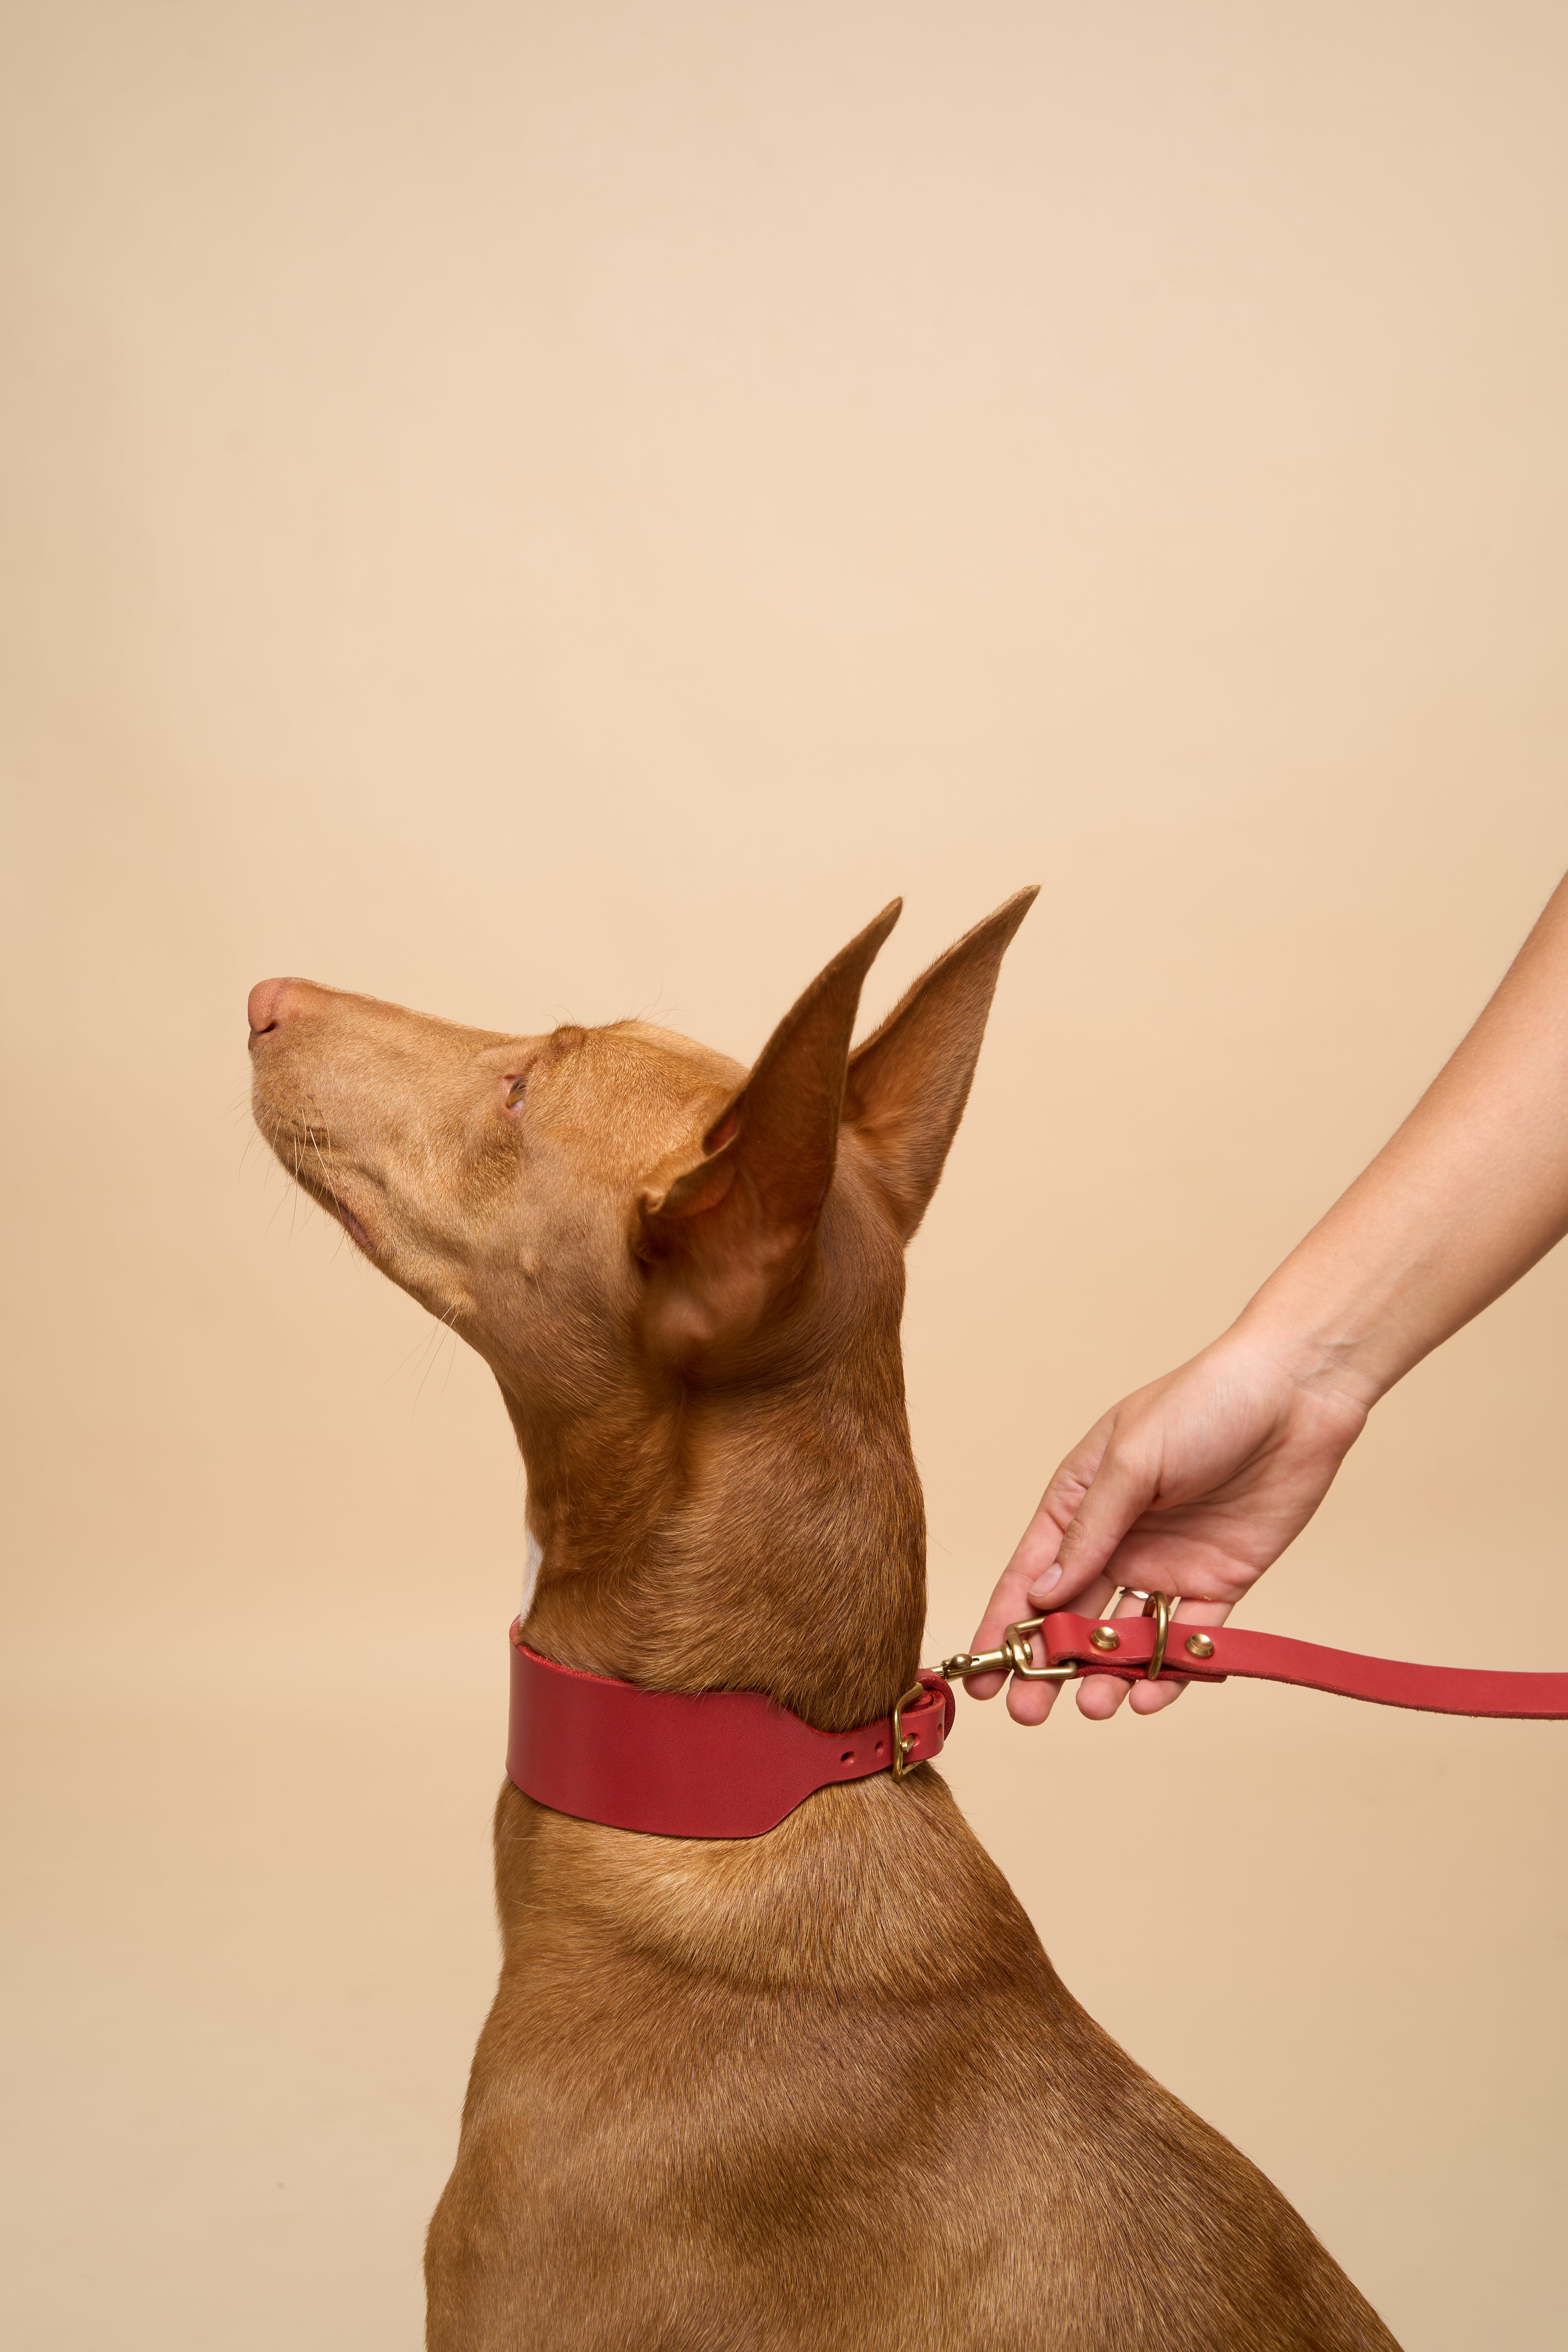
(559, 512)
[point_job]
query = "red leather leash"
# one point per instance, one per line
(733, 1764)
(1209, 1653)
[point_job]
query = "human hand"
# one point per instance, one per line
(1192, 1485)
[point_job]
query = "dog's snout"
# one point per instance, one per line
(270, 1001)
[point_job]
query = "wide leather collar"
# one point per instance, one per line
(695, 1764)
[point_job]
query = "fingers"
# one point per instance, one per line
(1072, 1553)
(1036, 1547)
(1050, 1567)
(1030, 1703)
(1116, 1495)
(1099, 1696)
(1027, 1703)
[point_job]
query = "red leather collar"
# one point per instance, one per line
(697, 1764)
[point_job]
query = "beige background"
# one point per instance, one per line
(533, 511)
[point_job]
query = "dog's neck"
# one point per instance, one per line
(771, 1539)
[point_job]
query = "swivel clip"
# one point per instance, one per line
(1015, 1656)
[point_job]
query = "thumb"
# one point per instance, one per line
(1117, 1497)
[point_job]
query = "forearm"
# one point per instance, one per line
(1466, 1197)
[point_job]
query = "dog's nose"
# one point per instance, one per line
(268, 1003)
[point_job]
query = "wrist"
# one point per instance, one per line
(1325, 1348)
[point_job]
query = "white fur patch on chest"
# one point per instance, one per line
(531, 1560)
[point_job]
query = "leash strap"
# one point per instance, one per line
(1221, 1651)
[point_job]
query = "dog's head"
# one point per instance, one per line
(597, 1207)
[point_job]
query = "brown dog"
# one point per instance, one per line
(820, 2088)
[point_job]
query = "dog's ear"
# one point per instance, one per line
(725, 1234)
(908, 1084)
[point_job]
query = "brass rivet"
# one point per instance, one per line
(1198, 1646)
(1105, 1637)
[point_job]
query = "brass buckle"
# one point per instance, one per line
(1015, 1656)
(903, 1743)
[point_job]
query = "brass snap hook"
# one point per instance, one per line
(1015, 1656)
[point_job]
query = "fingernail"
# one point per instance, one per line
(1052, 1575)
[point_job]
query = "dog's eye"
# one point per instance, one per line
(519, 1088)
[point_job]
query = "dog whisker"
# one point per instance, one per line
(452, 1358)
(444, 1325)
